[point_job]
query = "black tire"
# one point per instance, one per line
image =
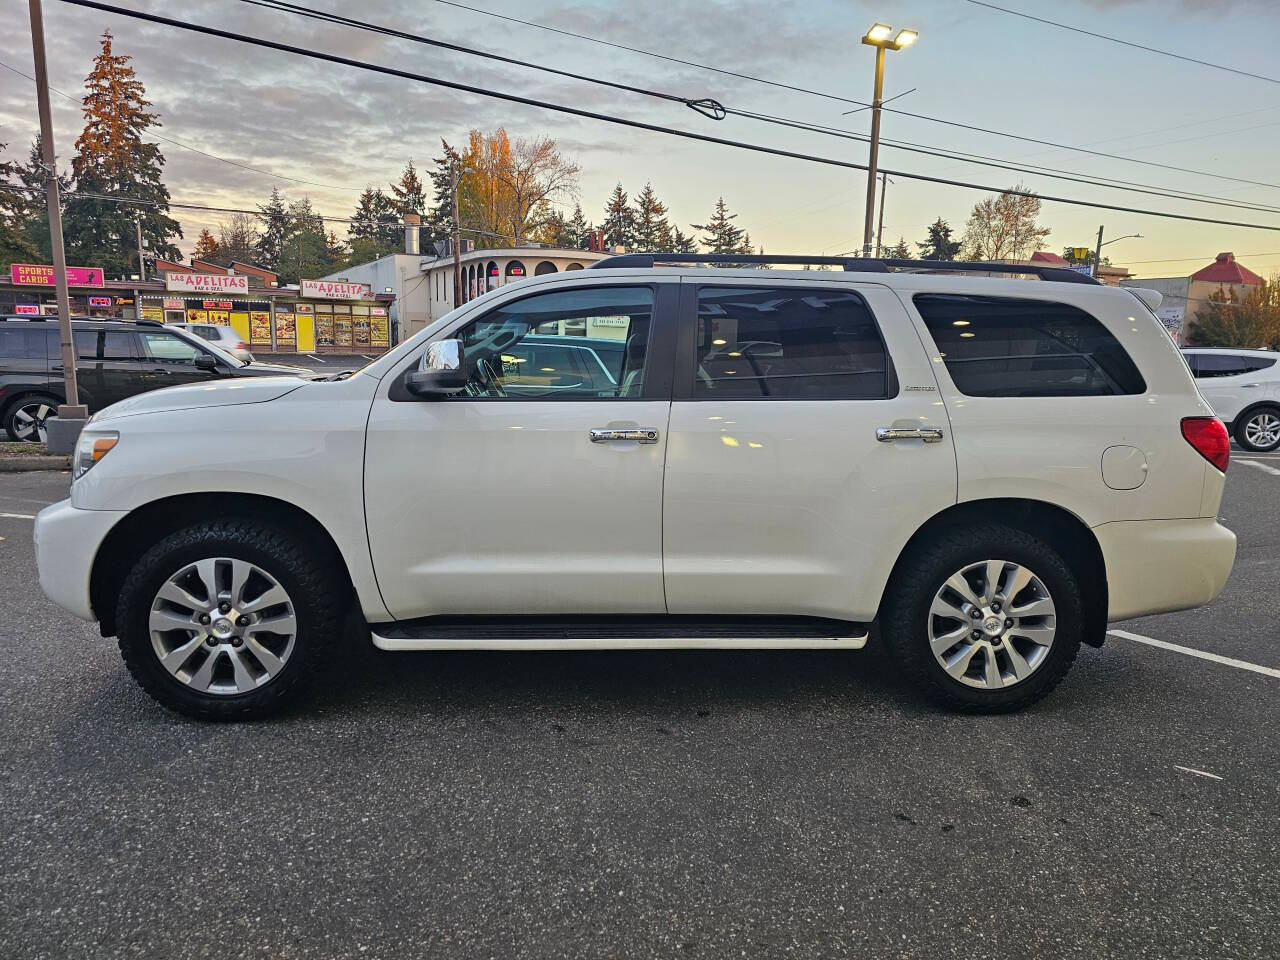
(1241, 432)
(10, 415)
(922, 573)
(320, 597)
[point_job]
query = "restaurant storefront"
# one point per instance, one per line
(319, 316)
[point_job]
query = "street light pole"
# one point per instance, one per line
(1097, 255)
(71, 410)
(142, 269)
(884, 186)
(878, 37)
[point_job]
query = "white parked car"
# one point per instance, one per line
(224, 336)
(989, 469)
(1243, 387)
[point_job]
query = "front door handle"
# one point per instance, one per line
(605, 434)
(927, 434)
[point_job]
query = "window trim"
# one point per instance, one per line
(658, 352)
(946, 368)
(687, 344)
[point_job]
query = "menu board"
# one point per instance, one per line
(286, 329)
(260, 328)
(360, 326)
(153, 313)
(197, 316)
(342, 326)
(221, 317)
(324, 325)
(379, 332)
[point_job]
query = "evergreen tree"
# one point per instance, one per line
(112, 159)
(938, 244)
(407, 194)
(335, 250)
(375, 228)
(15, 245)
(579, 229)
(438, 223)
(652, 231)
(305, 253)
(554, 229)
(34, 216)
(206, 247)
(901, 252)
(682, 243)
(619, 221)
(721, 234)
(274, 218)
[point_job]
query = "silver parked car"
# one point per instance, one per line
(223, 336)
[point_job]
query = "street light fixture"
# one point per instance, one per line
(881, 37)
(1097, 255)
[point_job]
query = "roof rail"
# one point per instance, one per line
(849, 264)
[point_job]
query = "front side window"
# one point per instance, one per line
(584, 343)
(117, 345)
(1209, 365)
(166, 348)
(788, 343)
(1008, 347)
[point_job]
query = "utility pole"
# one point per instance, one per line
(884, 183)
(1097, 257)
(455, 242)
(142, 269)
(875, 152)
(71, 412)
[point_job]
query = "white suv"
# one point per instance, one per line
(1243, 387)
(989, 469)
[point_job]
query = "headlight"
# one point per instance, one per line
(92, 446)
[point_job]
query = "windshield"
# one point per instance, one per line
(209, 347)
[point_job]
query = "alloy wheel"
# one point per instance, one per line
(29, 421)
(991, 624)
(1262, 430)
(223, 626)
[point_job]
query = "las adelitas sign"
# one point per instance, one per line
(206, 283)
(336, 290)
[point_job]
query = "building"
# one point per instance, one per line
(421, 286)
(1184, 297)
(317, 316)
(1110, 275)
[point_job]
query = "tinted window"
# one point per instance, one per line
(1005, 347)
(557, 362)
(166, 348)
(1227, 365)
(118, 345)
(21, 343)
(788, 343)
(86, 343)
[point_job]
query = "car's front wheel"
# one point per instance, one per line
(1259, 430)
(984, 619)
(229, 619)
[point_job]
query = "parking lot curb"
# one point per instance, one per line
(26, 464)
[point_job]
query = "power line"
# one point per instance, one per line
(623, 121)
(860, 103)
(187, 146)
(718, 111)
(1125, 43)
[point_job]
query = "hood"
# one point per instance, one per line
(212, 393)
(256, 369)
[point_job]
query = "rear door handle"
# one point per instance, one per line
(927, 434)
(640, 434)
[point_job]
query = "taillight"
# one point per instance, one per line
(241, 345)
(1209, 437)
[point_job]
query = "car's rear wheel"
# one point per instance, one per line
(984, 619)
(1259, 430)
(227, 620)
(25, 418)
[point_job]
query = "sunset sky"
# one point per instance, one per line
(342, 128)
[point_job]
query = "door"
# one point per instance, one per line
(501, 499)
(1231, 381)
(779, 497)
(120, 366)
(88, 368)
(168, 360)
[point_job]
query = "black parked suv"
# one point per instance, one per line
(114, 359)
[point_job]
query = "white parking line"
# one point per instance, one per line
(1192, 652)
(1261, 466)
(17, 516)
(1198, 773)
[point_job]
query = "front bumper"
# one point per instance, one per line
(1156, 566)
(67, 541)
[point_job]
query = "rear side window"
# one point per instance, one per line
(1007, 347)
(21, 343)
(788, 343)
(1206, 365)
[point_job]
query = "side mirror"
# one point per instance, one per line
(440, 371)
(206, 362)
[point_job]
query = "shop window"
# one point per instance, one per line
(515, 270)
(545, 267)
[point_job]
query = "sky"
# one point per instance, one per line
(341, 128)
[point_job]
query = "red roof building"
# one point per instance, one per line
(1049, 258)
(1224, 269)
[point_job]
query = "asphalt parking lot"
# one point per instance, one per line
(692, 804)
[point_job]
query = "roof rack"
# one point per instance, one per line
(849, 264)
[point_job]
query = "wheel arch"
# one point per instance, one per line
(1058, 526)
(143, 527)
(1237, 422)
